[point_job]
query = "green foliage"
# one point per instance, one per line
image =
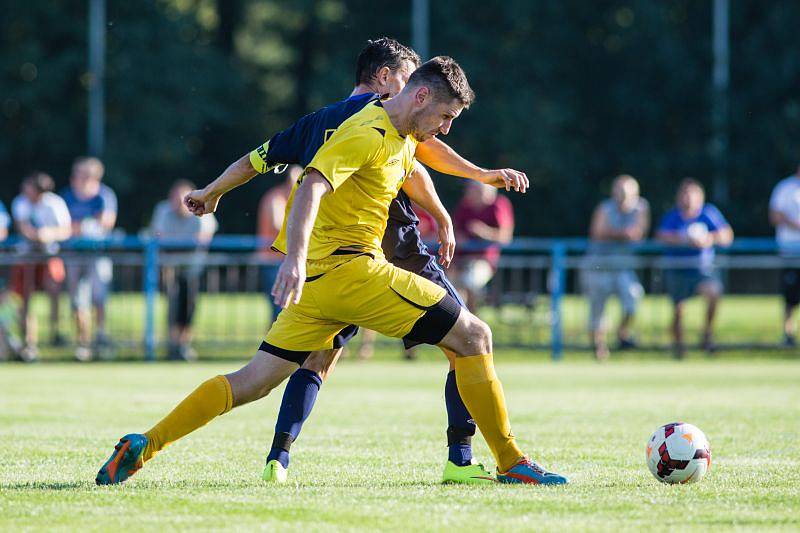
(572, 92)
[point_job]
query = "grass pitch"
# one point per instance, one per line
(372, 453)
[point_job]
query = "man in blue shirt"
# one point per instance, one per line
(692, 229)
(93, 209)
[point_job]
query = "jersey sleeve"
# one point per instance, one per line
(21, 209)
(776, 200)
(504, 212)
(347, 151)
(285, 147)
(5, 220)
(716, 221)
(109, 200)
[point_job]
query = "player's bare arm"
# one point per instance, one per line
(442, 158)
(205, 200)
(292, 273)
(419, 187)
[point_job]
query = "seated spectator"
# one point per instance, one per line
(691, 230)
(616, 223)
(173, 220)
(271, 210)
(784, 214)
(42, 219)
(93, 209)
(483, 221)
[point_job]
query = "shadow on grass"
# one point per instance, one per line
(47, 485)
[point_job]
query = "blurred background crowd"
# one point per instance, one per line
(608, 106)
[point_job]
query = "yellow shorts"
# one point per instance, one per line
(364, 291)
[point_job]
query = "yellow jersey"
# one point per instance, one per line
(366, 161)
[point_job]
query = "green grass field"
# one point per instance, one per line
(371, 455)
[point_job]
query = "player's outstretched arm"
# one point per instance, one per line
(419, 187)
(441, 158)
(292, 273)
(205, 200)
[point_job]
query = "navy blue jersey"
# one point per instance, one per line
(297, 144)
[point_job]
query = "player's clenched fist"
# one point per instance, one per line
(199, 202)
(289, 283)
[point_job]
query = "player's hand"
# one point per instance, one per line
(506, 178)
(447, 242)
(200, 203)
(289, 283)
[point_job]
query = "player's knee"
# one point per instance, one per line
(476, 337)
(321, 362)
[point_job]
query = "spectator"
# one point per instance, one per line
(10, 344)
(784, 214)
(271, 210)
(483, 219)
(616, 223)
(172, 220)
(93, 209)
(42, 219)
(692, 229)
(5, 222)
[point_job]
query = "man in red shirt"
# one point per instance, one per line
(484, 220)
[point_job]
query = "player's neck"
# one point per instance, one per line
(399, 114)
(363, 88)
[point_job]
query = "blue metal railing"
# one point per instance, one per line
(558, 251)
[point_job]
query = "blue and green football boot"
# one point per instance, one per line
(530, 473)
(125, 461)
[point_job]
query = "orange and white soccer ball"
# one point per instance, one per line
(678, 453)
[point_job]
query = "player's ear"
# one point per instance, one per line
(383, 75)
(422, 95)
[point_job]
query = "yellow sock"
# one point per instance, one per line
(211, 399)
(483, 395)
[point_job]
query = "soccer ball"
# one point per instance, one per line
(678, 453)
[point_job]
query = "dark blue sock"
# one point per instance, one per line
(461, 426)
(298, 400)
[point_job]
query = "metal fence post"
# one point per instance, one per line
(150, 293)
(557, 281)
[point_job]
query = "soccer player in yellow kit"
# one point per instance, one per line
(362, 167)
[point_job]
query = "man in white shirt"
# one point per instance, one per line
(173, 220)
(43, 220)
(784, 214)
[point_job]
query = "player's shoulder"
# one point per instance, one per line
(369, 123)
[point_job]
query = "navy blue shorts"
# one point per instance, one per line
(682, 283)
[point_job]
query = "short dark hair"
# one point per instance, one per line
(40, 181)
(445, 78)
(691, 182)
(379, 53)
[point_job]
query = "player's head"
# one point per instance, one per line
(86, 175)
(691, 196)
(438, 91)
(478, 194)
(625, 190)
(385, 65)
(36, 184)
(177, 193)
